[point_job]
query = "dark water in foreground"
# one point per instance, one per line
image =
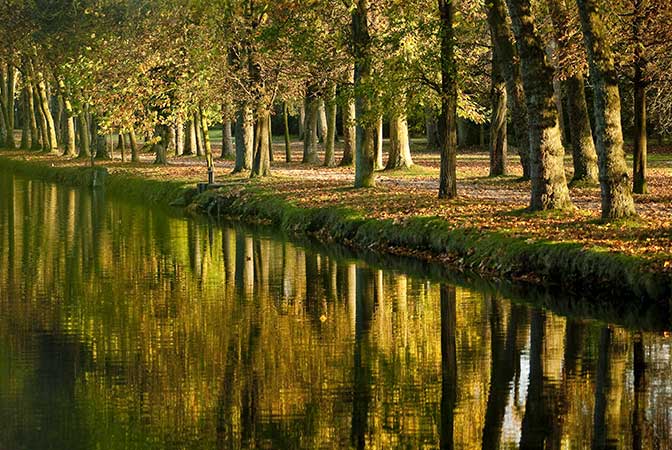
(124, 327)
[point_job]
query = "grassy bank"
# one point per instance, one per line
(571, 266)
(498, 250)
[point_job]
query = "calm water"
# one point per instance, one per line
(126, 327)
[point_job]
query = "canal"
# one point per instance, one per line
(124, 326)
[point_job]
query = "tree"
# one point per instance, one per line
(614, 180)
(448, 120)
(547, 172)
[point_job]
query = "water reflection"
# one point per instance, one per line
(125, 327)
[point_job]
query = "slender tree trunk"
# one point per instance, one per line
(584, 154)
(379, 145)
(227, 142)
(207, 147)
(366, 126)
(43, 129)
(244, 139)
(498, 127)
(322, 121)
(448, 120)
(84, 137)
(640, 150)
(135, 154)
(30, 103)
(288, 147)
(270, 137)
(400, 145)
(547, 171)
(7, 93)
(198, 130)
(25, 125)
(44, 99)
(510, 66)
(179, 138)
(349, 128)
(329, 157)
(310, 139)
(614, 181)
(70, 147)
(302, 120)
(122, 149)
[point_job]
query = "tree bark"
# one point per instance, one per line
(207, 147)
(44, 105)
(288, 147)
(30, 99)
(639, 85)
(329, 157)
(198, 130)
(498, 126)
(261, 166)
(84, 136)
(190, 139)
(379, 144)
(349, 128)
(179, 138)
(7, 86)
(366, 126)
(448, 120)
(503, 39)
(227, 142)
(400, 146)
(159, 146)
(310, 128)
(322, 121)
(614, 181)
(547, 171)
(25, 125)
(135, 154)
(244, 139)
(584, 155)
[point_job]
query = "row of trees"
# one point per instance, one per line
(74, 71)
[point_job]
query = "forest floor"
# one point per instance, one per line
(484, 203)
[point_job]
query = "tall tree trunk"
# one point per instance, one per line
(510, 66)
(366, 126)
(227, 142)
(379, 145)
(349, 128)
(640, 150)
(43, 127)
(135, 154)
(547, 170)
(7, 84)
(614, 181)
(261, 166)
(198, 130)
(244, 139)
(400, 145)
(302, 120)
(448, 120)
(190, 138)
(329, 156)
(70, 148)
(122, 149)
(84, 136)
(310, 128)
(322, 121)
(584, 155)
(44, 105)
(498, 128)
(207, 147)
(25, 124)
(179, 138)
(288, 147)
(270, 137)
(30, 103)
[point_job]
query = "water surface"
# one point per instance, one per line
(123, 326)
